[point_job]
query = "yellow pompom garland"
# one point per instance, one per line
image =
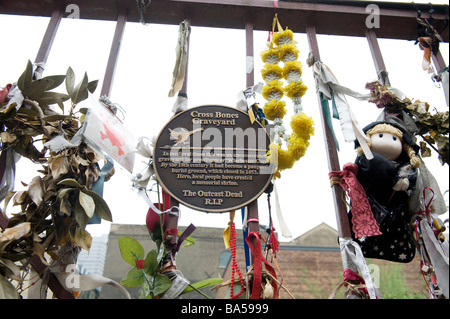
(283, 48)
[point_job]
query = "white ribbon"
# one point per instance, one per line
(327, 84)
(438, 256)
(86, 282)
(174, 210)
(179, 71)
(283, 227)
(352, 250)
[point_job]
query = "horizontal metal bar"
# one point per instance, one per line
(397, 20)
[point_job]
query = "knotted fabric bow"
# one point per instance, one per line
(364, 224)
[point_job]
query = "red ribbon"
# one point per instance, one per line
(4, 93)
(257, 265)
(364, 224)
(427, 206)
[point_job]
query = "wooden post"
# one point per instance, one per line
(114, 53)
(47, 40)
(377, 57)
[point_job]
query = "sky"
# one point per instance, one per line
(217, 72)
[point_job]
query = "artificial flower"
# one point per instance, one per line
(302, 126)
(295, 89)
(270, 56)
(297, 146)
(283, 45)
(283, 37)
(292, 69)
(271, 72)
(275, 109)
(273, 89)
(288, 52)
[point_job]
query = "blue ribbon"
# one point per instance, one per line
(97, 187)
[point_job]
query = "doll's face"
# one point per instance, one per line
(387, 145)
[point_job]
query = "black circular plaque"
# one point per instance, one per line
(212, 158)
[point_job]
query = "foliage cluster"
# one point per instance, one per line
(56, 205)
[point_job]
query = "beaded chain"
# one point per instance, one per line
(234, 266)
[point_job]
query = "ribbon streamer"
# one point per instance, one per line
(438, 257)
(364, 224)
(352, 250)
(227, 231)
(283, 227)
(257, 265)
(174, 210)
(327, 84)
(97, 187)
(179, 71)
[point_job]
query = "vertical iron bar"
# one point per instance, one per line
(252, 214)
(377, 57)
(47, 40)
(332, 156)
(438, 60)
(249, 53)
(114, 53)
(333, 163)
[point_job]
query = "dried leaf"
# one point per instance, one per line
(16, 232)
(39, 251)
(83, 239)
(7, 137)
(36, 190)
(59, 165)
(20, 198)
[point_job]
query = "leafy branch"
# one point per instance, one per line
(57, 204)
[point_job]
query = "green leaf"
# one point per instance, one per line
(92, 86)
(26, 77)
(35, 89)
(131, 250)
(202, 284)
(53, 81)
(49, 98)
(135, 277)
(7, 290)
(70, 80)
(151, 263)
(70, 182)
(80, 215)
(162, 283)
(80, 92)
(101, 207)
(87, 203)
(189, 241)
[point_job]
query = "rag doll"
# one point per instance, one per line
(388, 180)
